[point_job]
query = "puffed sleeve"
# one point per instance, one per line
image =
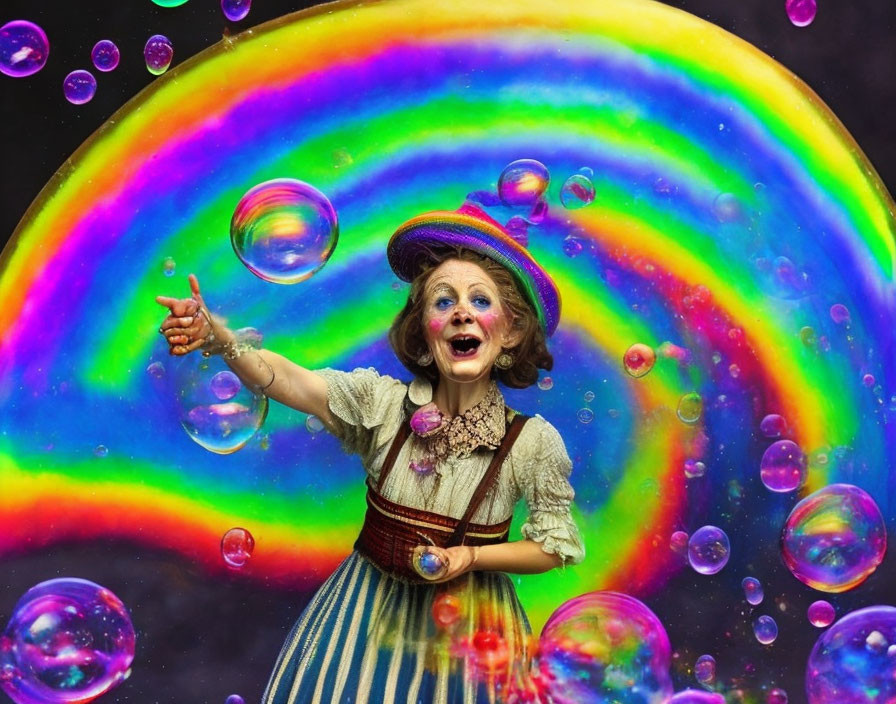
(361, 401)
(548, 494)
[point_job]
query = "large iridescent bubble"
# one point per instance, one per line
(604, 646)
(69, 640)
(854, 661)
(284, 230)
(24, 48)
(696, 696)
(833, 539)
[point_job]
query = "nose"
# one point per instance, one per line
(461, 315)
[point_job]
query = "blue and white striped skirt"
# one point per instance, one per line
(369, 637)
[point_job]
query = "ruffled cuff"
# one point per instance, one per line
(558, 535)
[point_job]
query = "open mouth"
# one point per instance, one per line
(464, 346)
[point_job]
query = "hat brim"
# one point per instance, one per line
(413, 244)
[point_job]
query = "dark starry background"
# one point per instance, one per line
(202, 638)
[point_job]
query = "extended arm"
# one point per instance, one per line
(189, 327)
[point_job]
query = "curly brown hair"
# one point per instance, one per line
(530, 355)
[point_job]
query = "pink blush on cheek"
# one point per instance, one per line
(488, 320)
(436, 326)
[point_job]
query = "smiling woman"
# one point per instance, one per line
(422, 609)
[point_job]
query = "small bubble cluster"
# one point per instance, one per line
(79, 87)
(284, 230)
(834, 538)
(708, 550)
(68, 641)
(237, 546)
(694, 469)
(601, 646)
(158, 53)
(24, 48)
(853, 661)
(523, 182)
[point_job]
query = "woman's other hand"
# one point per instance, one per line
(186, 328)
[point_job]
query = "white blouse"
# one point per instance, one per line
(368, 410)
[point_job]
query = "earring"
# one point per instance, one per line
(504, 361)
(425, 359)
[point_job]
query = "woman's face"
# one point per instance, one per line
(464, 322)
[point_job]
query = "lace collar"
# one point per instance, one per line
(482, 425)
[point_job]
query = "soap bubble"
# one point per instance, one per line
(446, 610)
(783, 467)
(235, 10)
(776, 696)
(577, 191)
(169, 3)
(284, 230)
(695, 696)
(69, 640)
(868, 380)
(821, 613)
(523, 182)
(708, 550)
(105, 55)
(694, 469)
(234, 699)
(705, 669)
(546, 383)
(101, 451)
(79, 87)
(313, 424)
(765, 629)
(225, 385)
(220, 426)
(589, 396)
(726, 207)
(833, 539)
(158, 54)
(237, 545)
(839, 313)
(843, 668)
(602, 646)
(638, 360)
(773, 425)
(678, 542)
(807, 336)
(24, 48)
(753, 590)
(801, 12)
(585, 415)
(572, 246)
(690, 408)
(169, 267)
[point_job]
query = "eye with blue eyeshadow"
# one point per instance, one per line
(481, 302)
(443, 303)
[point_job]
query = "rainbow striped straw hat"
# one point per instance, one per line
(471, 228)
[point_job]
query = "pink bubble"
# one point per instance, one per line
(24, 48)
(868, 380)
(225, 385)
(695, 696)
(821, 613)
(79, 87)
(105, 55)
(705, 669)
(839, 313)
(237, 546)
(801, 12)
(776, 696)
(69, 640)
(783, 467)
(678, 542)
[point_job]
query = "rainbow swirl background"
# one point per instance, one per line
(395, 108)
